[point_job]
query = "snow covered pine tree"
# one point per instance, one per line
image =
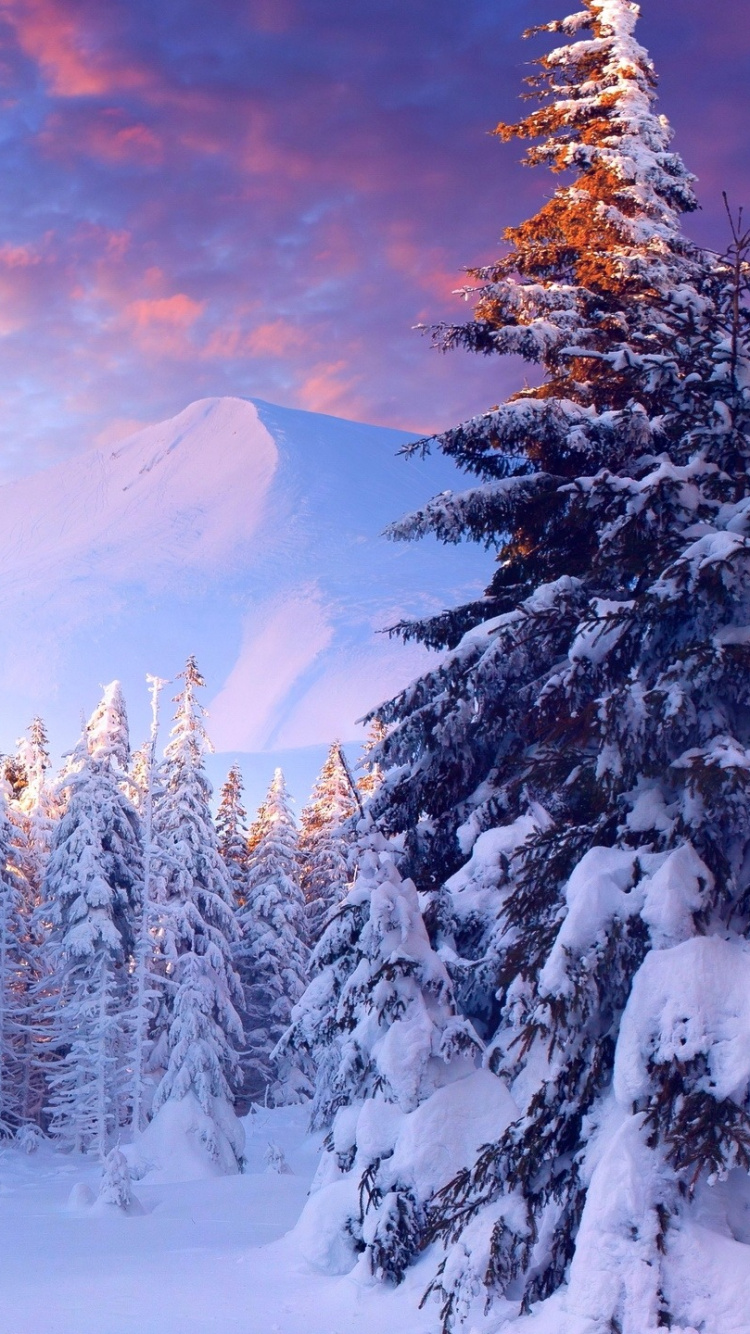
(15, 1048)
(193, 1105)
(231, 831)
(586, 735)
(91, 891)
(272, 954)
(32, 811)
(325, 837)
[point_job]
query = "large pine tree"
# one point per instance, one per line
(602, 291)
(586, 735)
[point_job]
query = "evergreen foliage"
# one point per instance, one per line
(16, 1050)
(91, 891)
(380, 1024)
(324, 839)
(231, 829)
(376, 985)
(147, 982)
(272, 955)
(33, 809)
(198, 925)
(603, 291)
(370, 780)
(592, 705)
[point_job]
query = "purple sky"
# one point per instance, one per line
(262, 197)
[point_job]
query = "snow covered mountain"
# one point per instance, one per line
(245, 533)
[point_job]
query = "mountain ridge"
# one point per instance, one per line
(247, 533)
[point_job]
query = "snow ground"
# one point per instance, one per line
(218, 1256)
(205, 1256)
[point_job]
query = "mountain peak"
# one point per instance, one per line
(246, 533)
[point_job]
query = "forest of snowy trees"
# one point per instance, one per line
(151, 953)
(505, 961)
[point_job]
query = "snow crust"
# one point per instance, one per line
(205, 1256)
(212, 1253)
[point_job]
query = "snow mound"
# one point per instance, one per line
(81, 1197)
(182, 1143)
(444, 1134)
(689, 1001)
(323, 1235)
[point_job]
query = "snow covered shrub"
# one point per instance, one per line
(29, 1138)
(592, 711)
(116, 1191)
(275, 1159)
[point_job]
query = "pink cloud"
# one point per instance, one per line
(161, 326)
(331, 388)
(425, 265)
(18, 256)
(272, 15)
(113, 141)
(177, 312)
(105, 135)
(275, 339)
(62, 45)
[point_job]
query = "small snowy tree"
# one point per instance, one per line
(324, 839)
(272, 954)
(198, 928)
(116, 1189)
(91, 891)
(231, 829)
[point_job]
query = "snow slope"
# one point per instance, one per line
(219, 1254)
(196, 1261)
(245, 533)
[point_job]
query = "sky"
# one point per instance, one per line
(263, 197)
